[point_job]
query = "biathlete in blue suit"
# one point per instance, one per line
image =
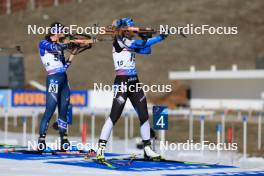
(57, 86)
(125, 47)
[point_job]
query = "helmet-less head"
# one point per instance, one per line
(56, 32)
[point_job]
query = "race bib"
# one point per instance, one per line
(53, 88)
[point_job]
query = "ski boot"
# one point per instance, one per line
(65, 144)
(41, 143)
(101, 149)
(150, 154)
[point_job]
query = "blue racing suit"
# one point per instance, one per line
(57, 87)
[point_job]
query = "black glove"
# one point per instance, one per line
(163, 36)
(145, 36)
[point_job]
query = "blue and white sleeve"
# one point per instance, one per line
(146, 50)
(44, 44)
(138, 44)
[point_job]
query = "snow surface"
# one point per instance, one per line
(11, 167)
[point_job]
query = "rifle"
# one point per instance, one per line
(143, 32)
(78, 42)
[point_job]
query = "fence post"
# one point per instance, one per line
(24, 120)
(190, 125)
(245, 136)
(84, 133)
(81, 119)
(93, 127)
(162, 139)
(126, 130)
(202, 131)
(33, 125)
(6, 125)
(223, 125)
(259, 130)
(131, 128)
(218, 134)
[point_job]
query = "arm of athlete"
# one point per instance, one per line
(70, 59)
(146, 50)
(137, 44)
(49, 46)
(141, 46)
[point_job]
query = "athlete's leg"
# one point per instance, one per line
(51, 103)
(138, 100)
(119, 100)
(63, 109)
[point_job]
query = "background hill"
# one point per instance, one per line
(176, 53)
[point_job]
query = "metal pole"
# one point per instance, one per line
(6, 126)
(24, 130)
(223, 126)
(218, 131)
(81, 120)
(245, 137)
(93, 127)
(190, 125)
(259, 130)
(162, 140)
(131, 129)
(33, 129)
(202, 131)
(126, 131)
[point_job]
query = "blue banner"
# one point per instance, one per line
(36, 98)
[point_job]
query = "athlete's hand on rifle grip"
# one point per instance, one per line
(163, 36)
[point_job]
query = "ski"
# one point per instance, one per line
(134, 158)
(104, 162)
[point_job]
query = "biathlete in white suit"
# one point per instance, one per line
(125, 47)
